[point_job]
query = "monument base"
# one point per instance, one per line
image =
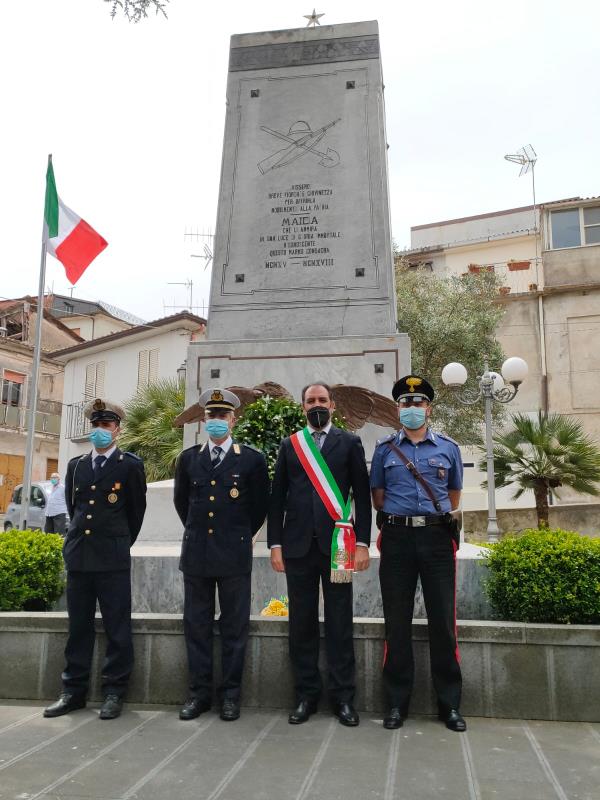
(374, 362)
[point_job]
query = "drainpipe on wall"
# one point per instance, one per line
(542, 326)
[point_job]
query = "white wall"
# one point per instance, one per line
(93, 327)
(121, 372)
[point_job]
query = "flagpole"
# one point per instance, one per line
(33, 387)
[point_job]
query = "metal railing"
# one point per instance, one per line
(78, 426)
(15, 418)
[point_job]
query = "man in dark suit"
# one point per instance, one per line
(299, 534)
(106, 500)
(221, 496)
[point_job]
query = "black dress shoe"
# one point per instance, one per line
(193, 707)
(111, 707)
(65, 704)
(453, 720)
(302, 712)
(395, 719)
(347, 715)
(230, 710)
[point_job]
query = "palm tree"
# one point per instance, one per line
(543, 453)
(148, 428)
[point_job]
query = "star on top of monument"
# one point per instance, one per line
(313, 19)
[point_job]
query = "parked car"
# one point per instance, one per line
(36, 513)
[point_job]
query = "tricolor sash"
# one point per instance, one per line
(343, 542)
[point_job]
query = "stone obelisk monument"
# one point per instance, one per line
(303, 280)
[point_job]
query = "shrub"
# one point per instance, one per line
(31, 570)
(545, 575)
(269, 420)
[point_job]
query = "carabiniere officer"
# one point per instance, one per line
(105, 492)
(417, 541)
(221, 496)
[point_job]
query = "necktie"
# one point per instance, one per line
(215, 456)
(98, 462)
(318, 436)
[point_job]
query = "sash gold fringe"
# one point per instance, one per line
(341, 576)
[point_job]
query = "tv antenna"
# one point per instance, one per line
(527, 158)
(206, 238)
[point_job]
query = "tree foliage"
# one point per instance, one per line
(542, 454)
(148, 427)
(269, 420)
(136, 10)
(451, 319)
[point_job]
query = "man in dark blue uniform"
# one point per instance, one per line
(221, 496)
(105, 491)
(416, 481)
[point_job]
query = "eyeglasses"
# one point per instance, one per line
(417, 400)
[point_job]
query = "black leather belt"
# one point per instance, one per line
(416, 522)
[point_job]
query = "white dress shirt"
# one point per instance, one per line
(106, 455)
(56, 501)
(225, 446)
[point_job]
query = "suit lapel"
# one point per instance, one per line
(84, 471)
(331, 440)
(204, 457)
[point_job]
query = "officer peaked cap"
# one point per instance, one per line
(99, 410)
(219, 398)
(411, 385)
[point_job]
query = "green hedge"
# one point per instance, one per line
(545, 575)
(31, 570)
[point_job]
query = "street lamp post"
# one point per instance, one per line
(493, 387)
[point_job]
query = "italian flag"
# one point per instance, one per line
(68, 237)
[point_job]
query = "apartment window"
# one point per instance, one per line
(575, 227)
(147, 367)
(94, 380)
(13, 388)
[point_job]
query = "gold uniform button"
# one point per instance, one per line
(213, 483)
(93, 487)
(210, 530)
(87, 531)
(92, 502)
(89, 516)
(211, 498)
(210, 514)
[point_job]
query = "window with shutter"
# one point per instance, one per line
(142, 369)
(153, 365)
(90, 382)
(100, 371)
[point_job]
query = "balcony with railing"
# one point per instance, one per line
(15, 418)
(516, 277)
(78, 426)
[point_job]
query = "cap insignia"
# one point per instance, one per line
(99, 405)
(412, 383)
(217, 396)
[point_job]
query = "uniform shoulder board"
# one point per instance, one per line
(251, 447)
(132, 455)
(447, 438)
(385, 439)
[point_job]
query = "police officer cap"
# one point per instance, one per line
(99, 410)
(412, 386)
(219, 398)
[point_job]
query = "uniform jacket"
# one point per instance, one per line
(296, 512)
(106, 514)
(221, 509)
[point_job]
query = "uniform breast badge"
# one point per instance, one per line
(112, 497)
(235, 492)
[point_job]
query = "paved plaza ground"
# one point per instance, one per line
(149, 754)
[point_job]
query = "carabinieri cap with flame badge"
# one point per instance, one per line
(413, 386)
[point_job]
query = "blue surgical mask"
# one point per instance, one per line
(100, 438)
(412, 417)
(217, 428)
(54, 481)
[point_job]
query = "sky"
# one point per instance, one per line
(134, 116)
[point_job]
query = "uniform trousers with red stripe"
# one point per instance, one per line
(428, 552)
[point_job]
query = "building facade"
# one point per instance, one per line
(548, 261)
(116, 366)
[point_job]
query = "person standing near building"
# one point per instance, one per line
(320, 471)
(106, 500)
(221, 496)
(56, 508)
(416, 481)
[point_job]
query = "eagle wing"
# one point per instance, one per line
(359, 405)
